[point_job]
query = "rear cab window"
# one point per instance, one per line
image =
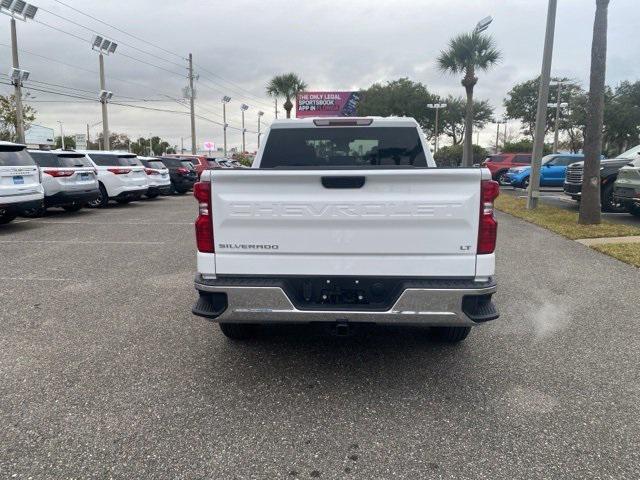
(496, 158)
(526, 159)
(15, 156)
(340, 147)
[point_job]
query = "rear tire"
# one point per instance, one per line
(501, 178)
(34, 212)
(72, 208)
(238, 331)
(151, 196)
(525, 183)
(103, 199)
(451, 334)
(6, 218)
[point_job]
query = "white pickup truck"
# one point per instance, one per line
(344, 221)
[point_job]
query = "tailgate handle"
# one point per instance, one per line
(343, 182)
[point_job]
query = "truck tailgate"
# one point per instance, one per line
(405, 222)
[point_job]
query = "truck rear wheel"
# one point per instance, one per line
(451, 334)
(238, 331)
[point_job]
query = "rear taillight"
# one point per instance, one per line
(151, 171)
(204, 222)
(182, 170)
(119, 171)
(59, 173)
(488, 227)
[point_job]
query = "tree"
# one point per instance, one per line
(288, 86)
(8, 119)
(622, 117)
(522, 103)
(117, 141)
(590, 203)
(466, 54)
(523, 146)
(452, 118)
(69, 142)
(400, 98)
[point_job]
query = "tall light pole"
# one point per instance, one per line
(558, 105)
(192, 96)
(22, 11)
(104, 47)
(62, 135)
(225, 100)
(243, 108)
(436, 107)
(541, 115)
(260, 114)
(498, 123)
(483, 24)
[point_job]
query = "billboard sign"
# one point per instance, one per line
(39, 135)
(327, 104)
(209, 145)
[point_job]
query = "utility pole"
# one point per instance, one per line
(62, 135)
(498, 137)
(182, 145)
(541, 115)
(243, 108)
(17, 84)
(192, 106)
(87, 137)
(556, 132)
(103, 101)
(225, 100)
(276, 100)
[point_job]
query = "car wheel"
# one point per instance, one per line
(151, 195)
(34, 212)
(72, 208)
(238, 331)
(525, 183)
(634, 209)
(502, 179)
(7, 217)
(451, 334)
(103, 199)
(610, 204)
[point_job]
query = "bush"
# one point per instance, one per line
(451, 156)
(244, 158)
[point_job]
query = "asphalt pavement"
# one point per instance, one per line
(555, 197)
(104, 372)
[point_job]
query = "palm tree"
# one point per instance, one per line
(466, 54)
(590, 202)
(288, 86)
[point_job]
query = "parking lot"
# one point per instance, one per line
(104, 372)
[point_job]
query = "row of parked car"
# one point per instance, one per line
(33, 180)
(619, 177)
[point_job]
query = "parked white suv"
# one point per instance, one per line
(157, 177)
(68, 178)
(20, 184)
(121, 177)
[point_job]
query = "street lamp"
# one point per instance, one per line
(483, 24)
(61, 135)
(558, 105)
(243, 108)
(22, 11)
(260, 114)
(225, 100)
(498, 123)
(437, 107)
(104, 47)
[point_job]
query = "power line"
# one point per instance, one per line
(118, 29)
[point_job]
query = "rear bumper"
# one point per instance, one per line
(131, 194)
(572, 189)
(70, 198)
(159, 189)
(421, 302)
(18, 208)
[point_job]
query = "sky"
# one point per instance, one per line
(239, 45)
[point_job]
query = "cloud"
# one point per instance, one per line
(332, 44)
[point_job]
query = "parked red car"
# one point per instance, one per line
(200, 162)
(500, 163)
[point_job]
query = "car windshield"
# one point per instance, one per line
(385, 147)
(187, 164)
(212, 163)
(155, 164)
(631, 154)
(17, 156)
(53, 159)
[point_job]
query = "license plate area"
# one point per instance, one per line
(18, 180)
(84, 176)
(343, 293)
(624, 192)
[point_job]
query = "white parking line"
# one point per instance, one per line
(32, 279)
(72, 222)
(80, 242)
